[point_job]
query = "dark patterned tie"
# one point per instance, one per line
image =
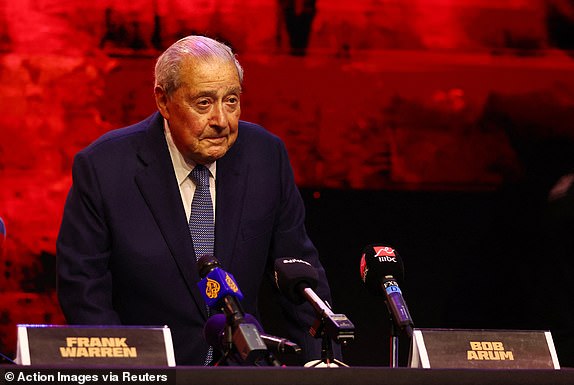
(201, 223)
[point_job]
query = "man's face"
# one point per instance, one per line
(203, 114)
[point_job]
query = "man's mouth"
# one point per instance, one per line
(216, 140)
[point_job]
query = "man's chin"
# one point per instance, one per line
(211, 153)
(212, 156)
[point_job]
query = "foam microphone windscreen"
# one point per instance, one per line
(378, 261)
(215, 326)
(292, 276)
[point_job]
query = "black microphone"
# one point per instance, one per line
(381, 267)
(297, 279)
(220, 290)
(214, 333)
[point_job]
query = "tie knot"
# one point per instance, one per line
(200, 175)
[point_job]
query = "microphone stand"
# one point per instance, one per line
(394, 346)
(266, 358)
(394, 340)
(327, 356)
(227, 346)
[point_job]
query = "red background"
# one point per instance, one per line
(370, 95)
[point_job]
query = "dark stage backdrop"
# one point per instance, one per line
(472, 260)
(442, 128)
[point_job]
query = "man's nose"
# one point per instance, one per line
(219, 115)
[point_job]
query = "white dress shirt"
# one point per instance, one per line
(182, 170)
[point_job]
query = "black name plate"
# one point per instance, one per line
(94, 345)
(483, 349)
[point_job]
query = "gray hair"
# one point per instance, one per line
(168, 65)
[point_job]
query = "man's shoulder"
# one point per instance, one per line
(121, 136)
(254, 132)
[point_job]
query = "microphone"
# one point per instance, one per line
(381, 267)
(297, 279)
(214, 333)
(220, 290)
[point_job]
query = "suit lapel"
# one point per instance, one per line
(158, 185)
(232, 173)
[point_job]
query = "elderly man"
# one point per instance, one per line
(130, 235)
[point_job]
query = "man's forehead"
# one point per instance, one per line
(207, 63)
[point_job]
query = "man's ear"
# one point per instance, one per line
(161, 99)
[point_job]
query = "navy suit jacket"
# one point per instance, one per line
(125, 254)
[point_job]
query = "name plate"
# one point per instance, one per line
(94, 345)
(482, 349)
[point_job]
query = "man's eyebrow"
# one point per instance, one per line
(234, 90)
(213, 94)
(204, 93)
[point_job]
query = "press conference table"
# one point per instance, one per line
(316, 376)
